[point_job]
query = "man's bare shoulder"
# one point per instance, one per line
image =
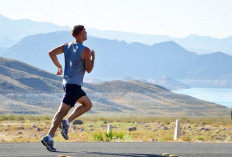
(86, 51)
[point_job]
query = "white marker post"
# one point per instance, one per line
(109, 129)
(177, 130)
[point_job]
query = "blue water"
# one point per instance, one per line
(222, 96)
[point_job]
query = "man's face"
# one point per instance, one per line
(84, 34)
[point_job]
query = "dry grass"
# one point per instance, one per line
(149, 129)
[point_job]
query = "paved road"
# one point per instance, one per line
(104, 149)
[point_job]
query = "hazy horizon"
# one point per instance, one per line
(178, 18)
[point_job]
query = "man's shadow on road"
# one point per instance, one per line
(64, 152)
(124, 154)
(113, 154)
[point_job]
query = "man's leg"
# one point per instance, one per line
(47, 141)
(61, 113)
(85, 106)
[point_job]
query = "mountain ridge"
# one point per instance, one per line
(39, 92)
(199, 44)
(25, 27)
(21, 76)
(119, 59)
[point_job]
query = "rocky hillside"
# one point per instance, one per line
(16, 76)
(136, 97)
(28, 90)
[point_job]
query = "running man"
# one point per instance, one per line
(78, 59)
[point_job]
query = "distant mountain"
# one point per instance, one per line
(128, 37)
(10, 34)
(6, 41)
(196, 43)
(12, 31)
(167, 82)
(27, 90)
(2, 50)
(118, 59)
(34, 49)
(204, 43)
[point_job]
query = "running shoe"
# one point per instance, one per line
(64, 129)
(48, 143)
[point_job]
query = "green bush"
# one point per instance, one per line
(98, 136)
(109, 136)
(119, 136)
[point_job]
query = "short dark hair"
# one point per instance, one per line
(76, 30)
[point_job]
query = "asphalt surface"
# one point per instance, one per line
(105, 149)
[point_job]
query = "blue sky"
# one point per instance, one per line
(176, 18)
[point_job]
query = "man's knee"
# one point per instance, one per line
(88, 105)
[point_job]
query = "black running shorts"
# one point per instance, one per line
(72, 93)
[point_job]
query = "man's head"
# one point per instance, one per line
(79, 32)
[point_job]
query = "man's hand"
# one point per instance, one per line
(59, 71)
(92, 55)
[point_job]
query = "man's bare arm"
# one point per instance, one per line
(89, 57)
(53, 55)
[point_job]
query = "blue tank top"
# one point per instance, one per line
(74, 69)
